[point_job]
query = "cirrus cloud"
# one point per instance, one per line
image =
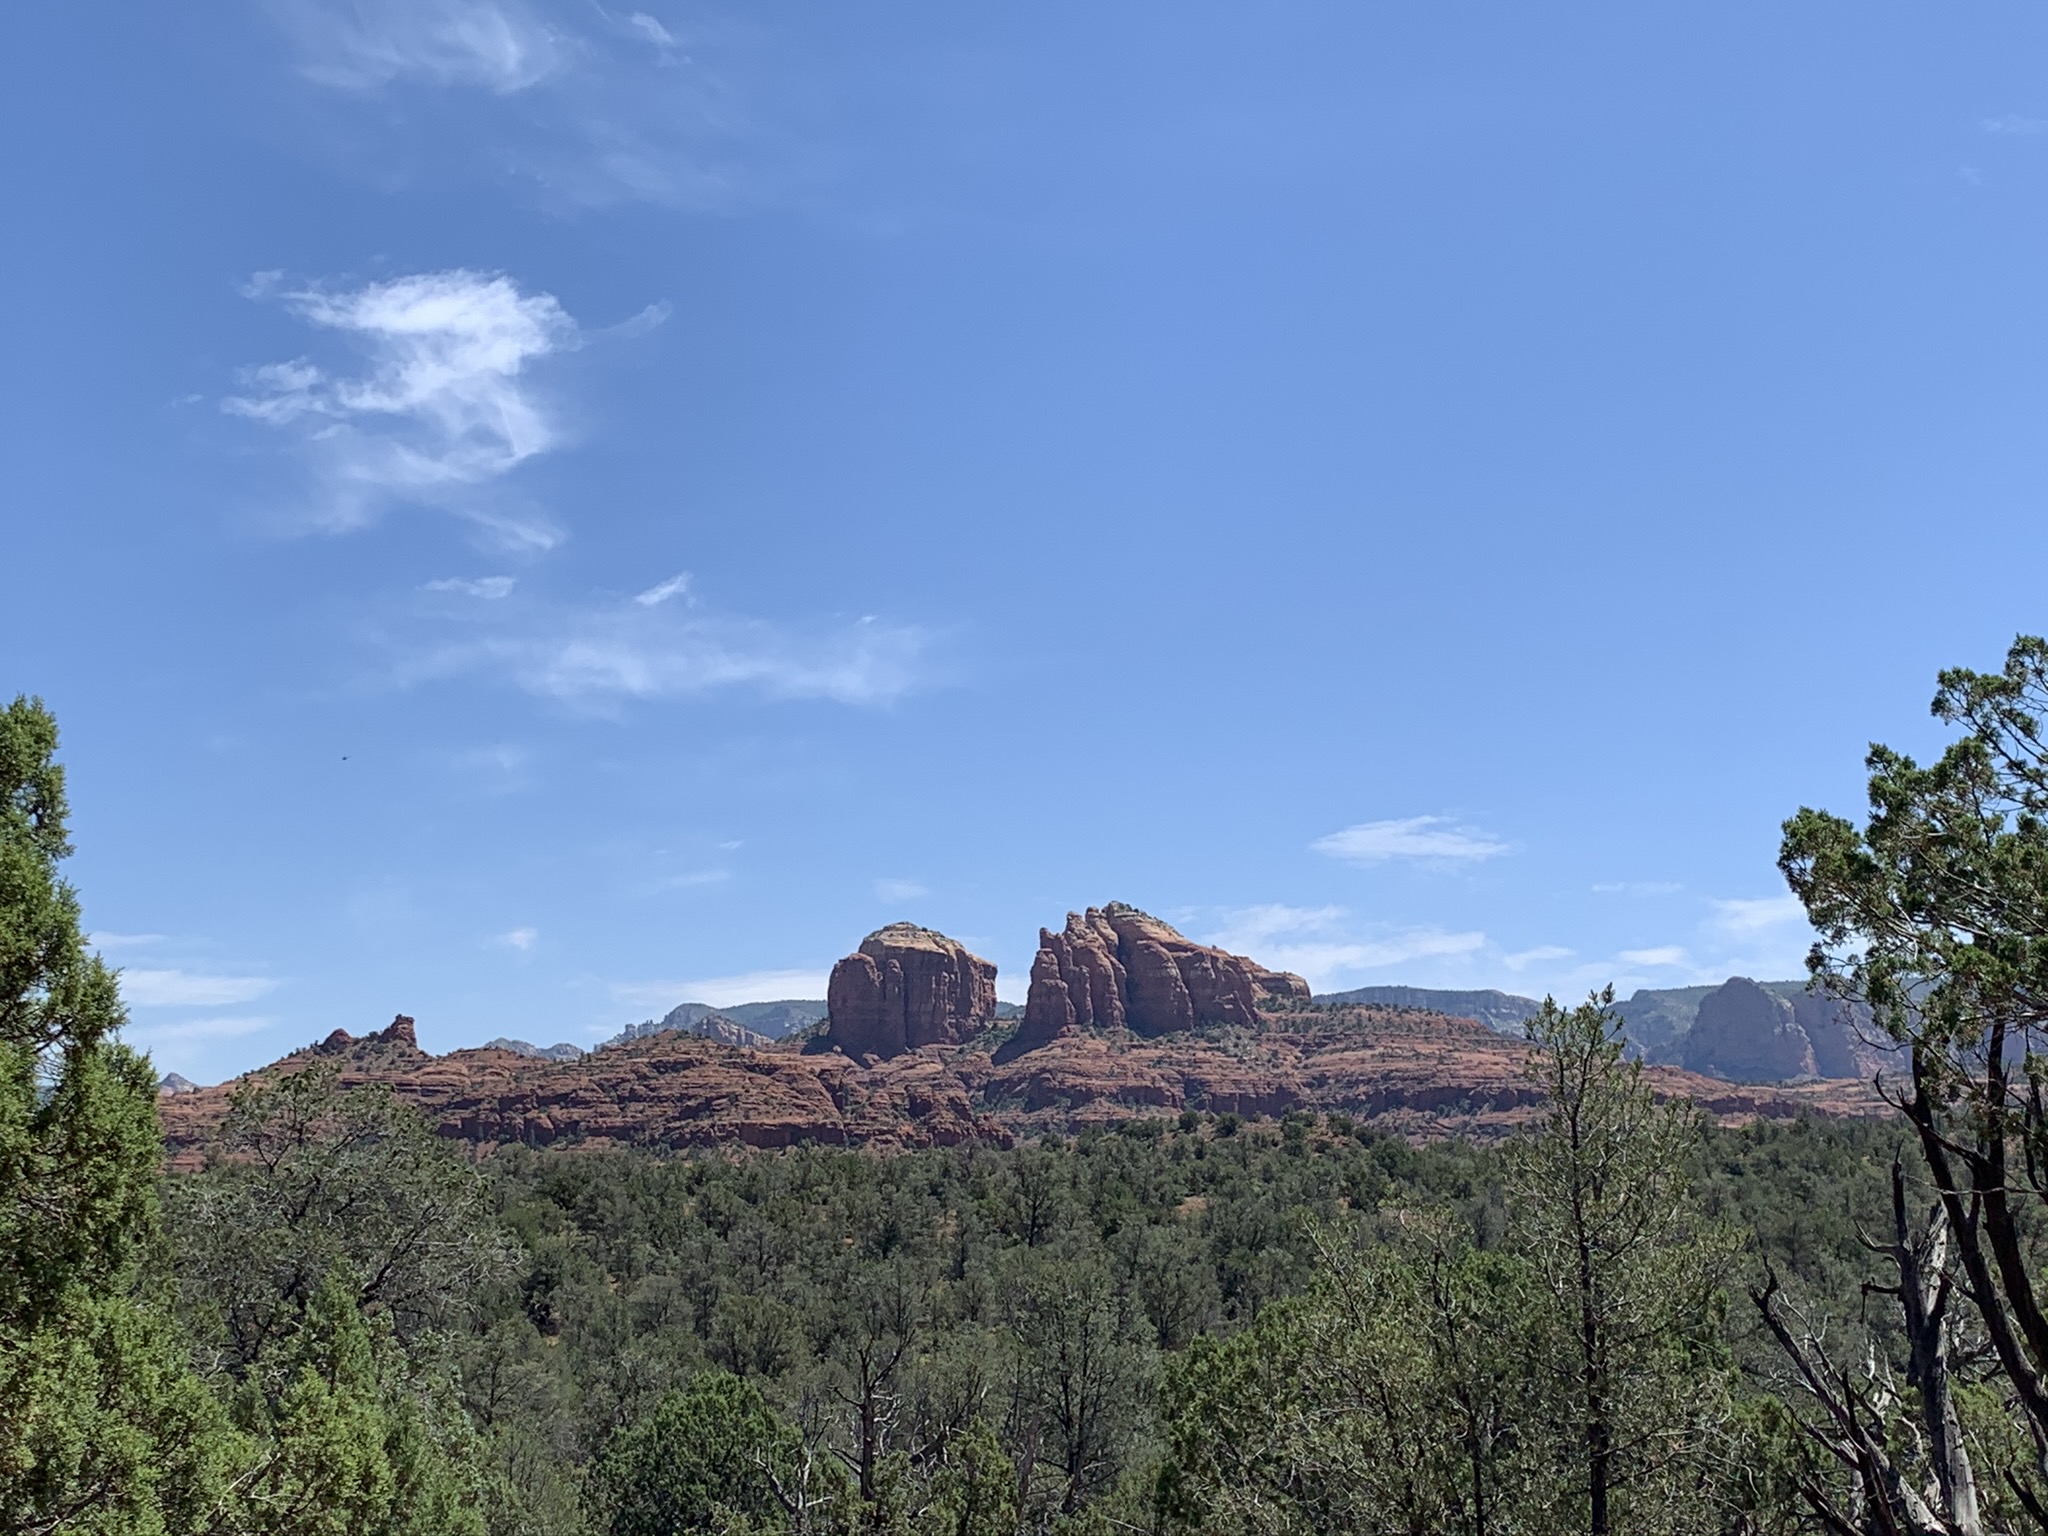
(1325, 944)
(1760, 914)
(172, 988)
(442, 408)
(1426, 838)
(499, 46)
(599, 656)
(722, 991)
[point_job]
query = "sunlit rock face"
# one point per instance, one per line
(1114, 968)
(907, 987)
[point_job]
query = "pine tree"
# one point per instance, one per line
(103, 1425)
(1599, 1202)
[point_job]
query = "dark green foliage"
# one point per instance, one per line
(1935, 913)
(708, 1457)
(329, 1256)
(900, 1310)
(308, 1186)
(1572, 1378)
(1208, 1323)
(357, 1443)
(1601, 1205)
(103, 1428)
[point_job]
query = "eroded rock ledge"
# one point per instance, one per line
(1116, 968)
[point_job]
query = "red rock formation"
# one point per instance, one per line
(1115, 968)
(907, 987)
(397, 1035)
(671, 1090)
(1419, 1074)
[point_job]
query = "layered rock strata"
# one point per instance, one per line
(908, 987)
(1418, 1074)
(1116, 968)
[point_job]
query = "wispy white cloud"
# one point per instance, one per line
(720, 991)
(1758, 914)
(521, 939)
(1522, 959)
(173, 988)
(1326, 945)
(676, 586)
(1244, 928)
(489, 588)
(357, 45)
(898, 890)
(224, 1027)
(576, 104)
(1637, 887)
(443, 409)
(693, 878)
(1432, 838)
(116, 941)
(2012, 123)
(652, 30)
(598, 657)
(1659, 956)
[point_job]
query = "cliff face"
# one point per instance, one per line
(908, 987)
(1752, 1033)
(1116, 968)
(1846, 1040)
(1126, 1018)
(1747, 1035)
(1414, 1073)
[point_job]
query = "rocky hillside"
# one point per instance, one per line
(913, 1055)
(771, 1021)
(1503, 1011)
(1742, 1030)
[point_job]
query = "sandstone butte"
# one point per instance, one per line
(907, 987)
(958, 1077)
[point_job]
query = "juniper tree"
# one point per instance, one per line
(103, 1426)
(1935, 914)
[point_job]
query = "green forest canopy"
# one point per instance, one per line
(1624, 1319)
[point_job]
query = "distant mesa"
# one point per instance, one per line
(564, 1052)
(728, 1031)
(1753, 1033)
(1740, 1031)
(1396, 1069)
(907, 987)
(762, 1022)
(1501, 1011)
(1117, 968)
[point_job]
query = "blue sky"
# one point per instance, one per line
(529, 513)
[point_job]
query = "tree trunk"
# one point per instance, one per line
(1923, 1300)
